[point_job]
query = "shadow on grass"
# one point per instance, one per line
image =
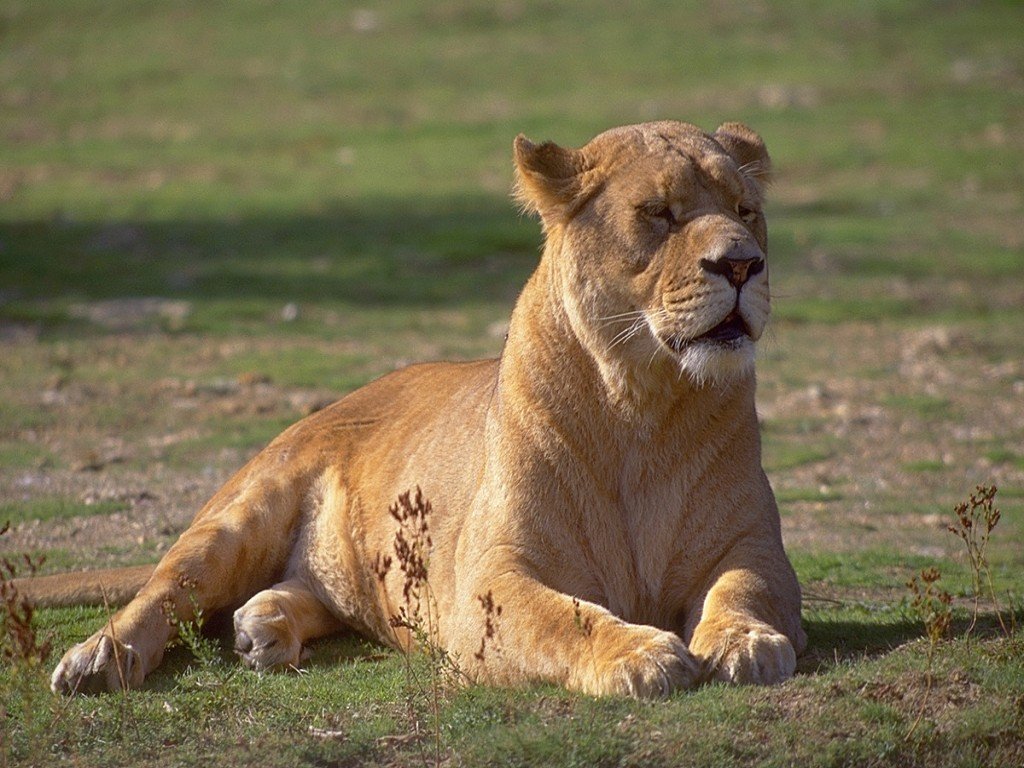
(391, 252)
(330, 652)
(834, 641)
(457, 250)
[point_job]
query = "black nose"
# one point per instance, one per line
(737, 270)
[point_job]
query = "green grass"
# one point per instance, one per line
(842, 310)
(55, 507)
(282, 140)
(922, 405)
(243, 435)
(817, 495)
(794, 443)
(1005, 456)
(924, 465)
(16, 454)
(352, 706)
(176, 174)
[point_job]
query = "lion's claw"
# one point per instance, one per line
(265, 643)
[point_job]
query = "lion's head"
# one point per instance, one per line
(657, 235)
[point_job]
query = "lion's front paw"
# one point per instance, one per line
(99, 664)
(265, 642)
(751, 653)
(645, 663)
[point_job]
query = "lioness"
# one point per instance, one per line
(600, 481)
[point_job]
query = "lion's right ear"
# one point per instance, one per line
(748, 150)
(549, 179)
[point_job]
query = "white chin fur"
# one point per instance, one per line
(707, 363)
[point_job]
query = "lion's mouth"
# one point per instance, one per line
(729, 330)
(728, 333)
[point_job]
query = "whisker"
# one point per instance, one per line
(753, 168)
(627, 334)
(623, 318)
(657, 349)
(632, 313)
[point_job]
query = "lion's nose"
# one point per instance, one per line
(736, 269)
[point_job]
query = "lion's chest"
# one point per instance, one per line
(642, 564)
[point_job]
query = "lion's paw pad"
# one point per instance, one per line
(265, 642)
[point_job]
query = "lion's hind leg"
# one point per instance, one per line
(237, 545)
(272, 628)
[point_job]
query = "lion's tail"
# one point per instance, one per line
(113, 587)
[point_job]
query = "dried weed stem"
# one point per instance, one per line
(418, 615)
(935, 608)
(976, 518)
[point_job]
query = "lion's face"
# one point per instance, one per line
(663, 243)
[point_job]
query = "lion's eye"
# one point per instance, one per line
(657, 212)
(748, 215)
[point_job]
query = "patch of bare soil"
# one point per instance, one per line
(910, 421)
(138, 423)
(940, 699)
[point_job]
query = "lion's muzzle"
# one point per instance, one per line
(737, 270)
(737, 258)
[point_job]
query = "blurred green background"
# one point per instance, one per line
(236, 153)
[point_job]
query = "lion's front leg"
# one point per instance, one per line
(749, 628)
(542, 634)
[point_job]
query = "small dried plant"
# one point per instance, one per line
(417, 614)
(24, 652)
(976, 518)
(492, 615)
(934, 606)
(20, 645)
(189, 633)
(584, 625)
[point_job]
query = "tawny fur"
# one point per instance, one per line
(601, 480)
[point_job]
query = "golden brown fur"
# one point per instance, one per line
(601, 480)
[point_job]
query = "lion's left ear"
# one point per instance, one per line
(549, 179)
(747, 148)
